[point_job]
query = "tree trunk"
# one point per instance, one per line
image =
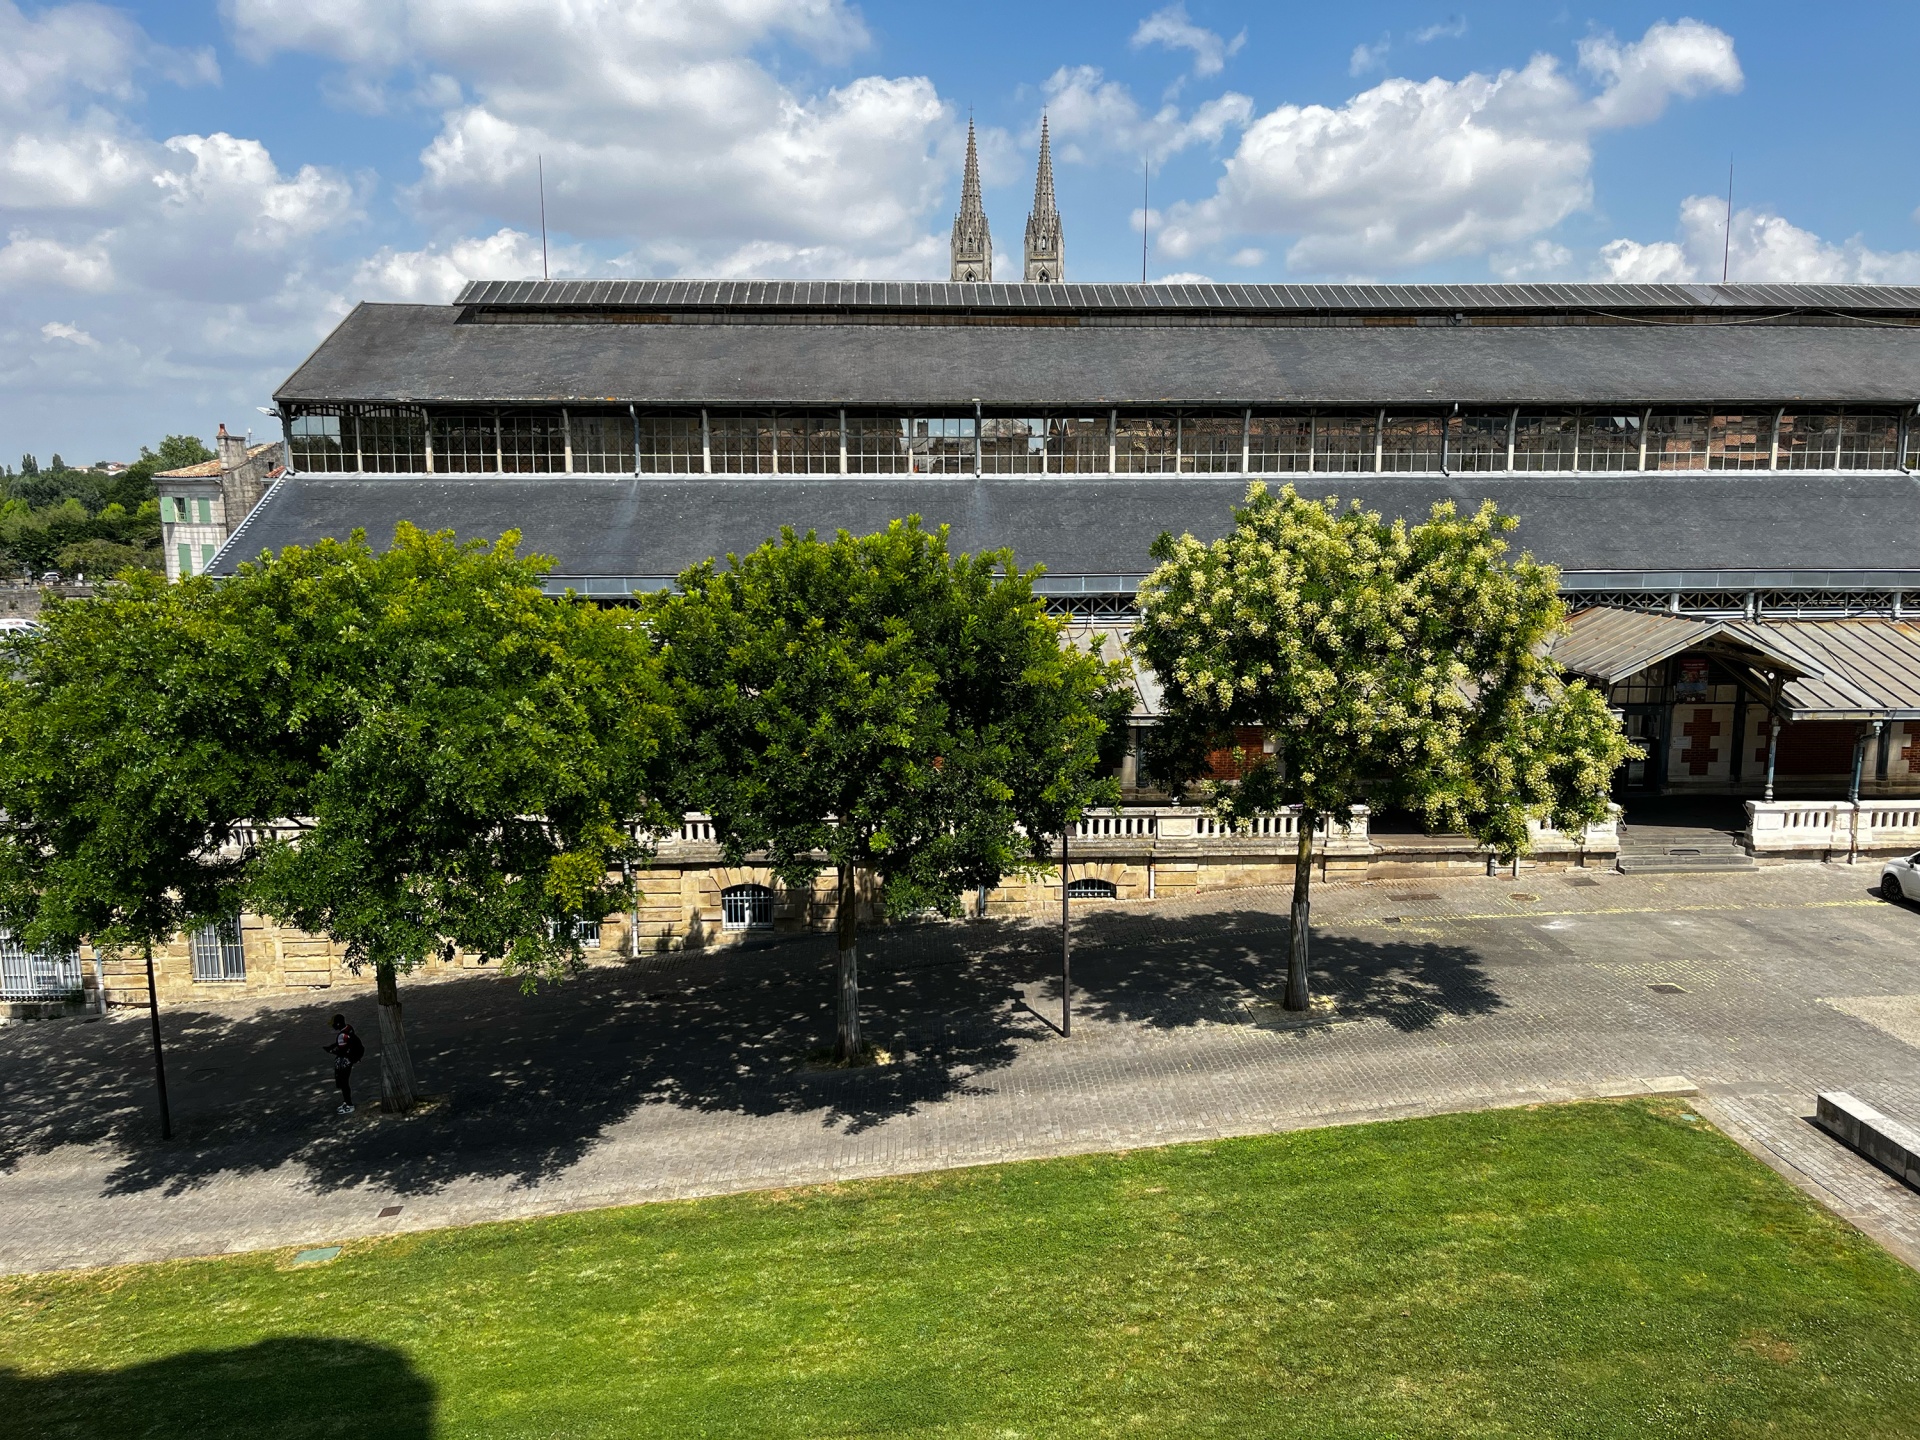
(846, 1042)
(397, 1087)
(1297, 994)
(159, 1055)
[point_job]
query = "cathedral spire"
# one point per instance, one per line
(972, 247)
(1046, 247)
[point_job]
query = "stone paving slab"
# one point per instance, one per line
(647, 1082)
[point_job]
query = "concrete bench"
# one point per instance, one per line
(1860, 1127)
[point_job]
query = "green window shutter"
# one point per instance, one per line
(205, 507)
(186, 560)
(206, 558)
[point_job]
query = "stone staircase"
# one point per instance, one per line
(1673, 850)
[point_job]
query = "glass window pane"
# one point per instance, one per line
(1144, 444)
(1677, 440)
(1077, 445)
(1279, 444)
(1544, 440)
(1740, 441)
(742, 444)
(1809, 440)
(532, 442)
(463, 443)
(1345, 443)
(941, 444)
(1411, 442)
(392, 442)
(1477, 442)
(603, 443)
(1869, 440)
(315, 443)
(1210, 444)
(1609, 441)
(809, 444)
(876, 445)
(1012, 445)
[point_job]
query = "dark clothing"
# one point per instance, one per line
(345, 1049)
(343, 1077)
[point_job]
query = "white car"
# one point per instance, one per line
(1900, 879)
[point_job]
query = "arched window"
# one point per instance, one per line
(746, 907)
(1091, 890)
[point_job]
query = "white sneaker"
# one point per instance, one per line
(344, 1110)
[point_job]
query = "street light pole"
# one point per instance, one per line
(1066, 942)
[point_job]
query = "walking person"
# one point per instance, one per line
(346, 1050)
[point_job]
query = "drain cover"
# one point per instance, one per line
(1666, 987)
(387, 1212)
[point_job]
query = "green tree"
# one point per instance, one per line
(134, 485)
(476, 757)
(879, 706)
(1388, 663)
(126, 771)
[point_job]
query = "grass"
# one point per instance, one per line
(1578, 1270)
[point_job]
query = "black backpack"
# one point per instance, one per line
(354, 1048)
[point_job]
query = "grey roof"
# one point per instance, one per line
(1099, 528)
(854, 295)
(424, 354)
(1837, 669)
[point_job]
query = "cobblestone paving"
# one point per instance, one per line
(652, 1082)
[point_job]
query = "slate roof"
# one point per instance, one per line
(423, 354)
(1093, 533)
(851, 295)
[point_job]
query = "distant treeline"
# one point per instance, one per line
(84, 521)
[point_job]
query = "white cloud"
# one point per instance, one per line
(434, 274)
(1169, 27)
(1183, 277)
(1369, 57)
(1452, 29)
(1411, 173)
(1542, 260)
(1762, 246)
(661, 130)
(1092, 116)
(58, 330)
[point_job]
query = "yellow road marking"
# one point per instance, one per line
(1623, 910)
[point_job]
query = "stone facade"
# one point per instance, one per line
(972, 244)
(202, 505)
(1046, 256)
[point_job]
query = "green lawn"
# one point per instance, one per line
(1602, 1269)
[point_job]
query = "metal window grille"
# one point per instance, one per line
(746, 907)
(1014, 445)
(1279, 444)
(532, 442)
(1609, 441)
(391, 441)
(1548, 441)
(1210, 444)
(941, 444)
(586, 933)
(1869, 440)
(1478, 442)
(1344, 444)
(742, 444)
(314, 440)
(217, 953)
(1077, 445)
(33, 975)
(1091, 890)
(1145, 444)
(603, 444)
(463, 443)
(876, 445)
(809, 444)
(1678, 439)
(1413, 442)
(1740, 441)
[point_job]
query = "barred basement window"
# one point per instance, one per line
(315, 443)
(1279, 444)
(585, 932)
(392, 442)
(1210, 444)
(1677, 440)
(603, 444)
(746, 907)
(1610, 442)
(1144, 444)
(1077, 445)
(1547, 440)
(1740, 441)
(532, 442)
(1091, 890)
(876, 445)
(1343, 444)
(1477, 442)
(1411, 442)
(464, 443)
(35, 975)
(1012, 445)
(217, 954)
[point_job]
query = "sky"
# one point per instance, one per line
(193, 193)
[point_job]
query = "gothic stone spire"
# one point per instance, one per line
(1046, 248)
(972, 248)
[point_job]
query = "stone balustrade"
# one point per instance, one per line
(1831, 829)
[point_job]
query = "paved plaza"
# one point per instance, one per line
(690, 1077)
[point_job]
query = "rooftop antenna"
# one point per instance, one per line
(540, 161)
(1145, 169)
(1726, 248)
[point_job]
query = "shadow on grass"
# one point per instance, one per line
(285, 1389)
(532, 1083)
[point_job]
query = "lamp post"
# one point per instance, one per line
(1066, 942)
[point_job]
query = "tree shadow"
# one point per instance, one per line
(529, 1085)
(288, 1388)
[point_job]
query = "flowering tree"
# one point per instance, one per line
(1387, 663)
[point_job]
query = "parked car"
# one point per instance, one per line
(1900, 879)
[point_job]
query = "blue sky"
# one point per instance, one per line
(193, 193)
